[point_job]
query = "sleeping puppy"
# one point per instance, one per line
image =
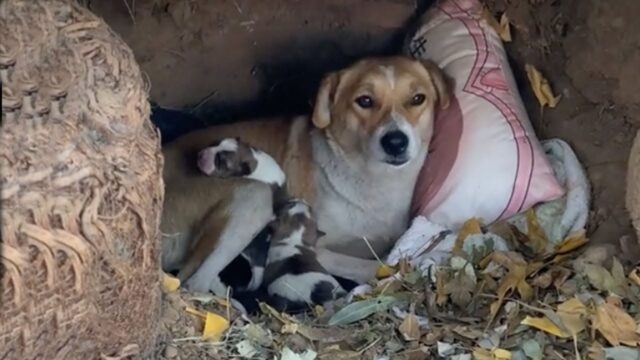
(294, 279)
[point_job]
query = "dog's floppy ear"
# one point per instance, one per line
(324, 101)
(440, 81)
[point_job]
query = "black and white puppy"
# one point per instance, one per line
(282, 256)
(294, 279)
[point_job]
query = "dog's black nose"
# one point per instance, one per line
(394, 143)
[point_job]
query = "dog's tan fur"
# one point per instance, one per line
(334, 165)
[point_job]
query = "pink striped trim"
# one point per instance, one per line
(475, 86)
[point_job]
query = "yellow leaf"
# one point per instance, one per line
(482, 354)
(572, 242)
(634, 276)
(544, 324)
(501, 354)
(515, 278)
(170, 283)
(502, 28)
(195, 312)
(573, 313)
(385, 271)
(615, 325)
(214, 326)
(541, 87)
(537, 237)
(470, 227)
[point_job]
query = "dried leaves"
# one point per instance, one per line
(541, 87)
(615, 325)
(482, 303)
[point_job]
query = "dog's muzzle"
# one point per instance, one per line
(395, 145)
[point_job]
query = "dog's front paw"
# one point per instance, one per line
(200, 283)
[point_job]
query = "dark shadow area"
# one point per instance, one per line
(289, 78)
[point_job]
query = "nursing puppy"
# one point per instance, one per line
(294, 279)
(355, 161)
(233, 158)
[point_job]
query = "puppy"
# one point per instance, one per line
(294, 279)
(233, 158)
(356, 160)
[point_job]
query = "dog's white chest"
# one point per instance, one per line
(380, 220)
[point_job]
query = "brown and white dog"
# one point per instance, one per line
(356, 162)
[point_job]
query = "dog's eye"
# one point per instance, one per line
(417, 99)
(364, 101)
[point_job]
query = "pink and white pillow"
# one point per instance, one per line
(485, 160)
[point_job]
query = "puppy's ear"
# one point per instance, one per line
(440, 81)
(324, 101)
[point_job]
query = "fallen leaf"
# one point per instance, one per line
(532, 349)
(245, 349)
(288, 354)
(468, 332)
(170, 283)
(282, 317)
(258, 334)
(572, 242)
(214, 326)
(544, 324)
(384, 271)
(615, 325)
(361, 309)
(573, 315)
(495, 354)
(599, 277)
(537, 237)
(634, 276)
(324, 335)
(482, 354)
(441, 295)
(515, 279)
(621, 352)
(502, 28)
(459, 289)
(410, 329)
(541, 87)
(445, 349)
(501, 354)
(470, 227)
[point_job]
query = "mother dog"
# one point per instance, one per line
(356, 162)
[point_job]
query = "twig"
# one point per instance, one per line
(372, 251)
(130, 10)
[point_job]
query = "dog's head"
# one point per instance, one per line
(229, 157)
(381, 109)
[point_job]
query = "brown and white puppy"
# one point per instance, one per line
(356, 162)
(229, 158)
(294, 279)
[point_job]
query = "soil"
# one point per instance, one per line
(240, 58)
